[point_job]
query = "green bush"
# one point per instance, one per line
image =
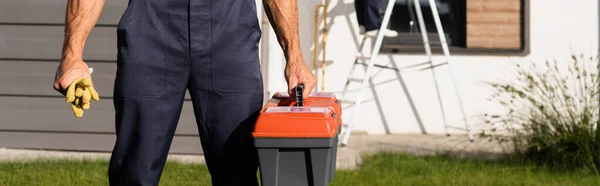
(552, 114)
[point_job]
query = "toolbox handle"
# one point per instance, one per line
(299, 93)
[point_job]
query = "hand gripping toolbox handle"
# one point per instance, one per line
(314, 117)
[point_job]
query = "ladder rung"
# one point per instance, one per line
(380, 66)
(355, 79)
(346, 101)
(363, 58)
(430, 67)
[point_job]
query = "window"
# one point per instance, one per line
(470, 26)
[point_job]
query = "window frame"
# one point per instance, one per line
(395, 46)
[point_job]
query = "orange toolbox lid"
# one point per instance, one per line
(334, 102)
(317, 118)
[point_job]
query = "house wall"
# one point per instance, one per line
(407, 102)
(32, 114)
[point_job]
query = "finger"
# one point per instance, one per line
(81, 103)
(308, 88)
(58, 89)
(85, 99)
(309, 83)
(292, 83)
(77, 110)
(87, 82)
(86, 106)
(71, 92)
(77, 101)
(79, 91)
(94, 93)
(87, 96)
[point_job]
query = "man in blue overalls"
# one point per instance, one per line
(369, 17)
(165, 47)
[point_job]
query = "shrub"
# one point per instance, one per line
(552, 114)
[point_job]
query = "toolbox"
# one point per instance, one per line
(297, 140)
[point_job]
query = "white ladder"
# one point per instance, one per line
(369, 61)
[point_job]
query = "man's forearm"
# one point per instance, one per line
(80, 20)
(283, 15)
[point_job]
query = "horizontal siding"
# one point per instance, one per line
(32, 114)
(493, 5)
(496, 42)
(493, 30)
(84, 142)
(45, 42)
(496, 17)
(35, 78)
(53, 11)
(494, 24)
(44, 114)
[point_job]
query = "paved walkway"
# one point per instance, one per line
(348, 157)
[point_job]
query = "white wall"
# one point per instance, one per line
(558, 29)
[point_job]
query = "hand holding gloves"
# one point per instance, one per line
(80, 93)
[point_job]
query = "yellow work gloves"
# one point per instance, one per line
(79, 94)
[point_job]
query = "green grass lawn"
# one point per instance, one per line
(382, 169)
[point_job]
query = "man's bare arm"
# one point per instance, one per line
(283, 15)
(81, 17)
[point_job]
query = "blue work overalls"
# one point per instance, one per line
(367, 13)
(165, 47)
